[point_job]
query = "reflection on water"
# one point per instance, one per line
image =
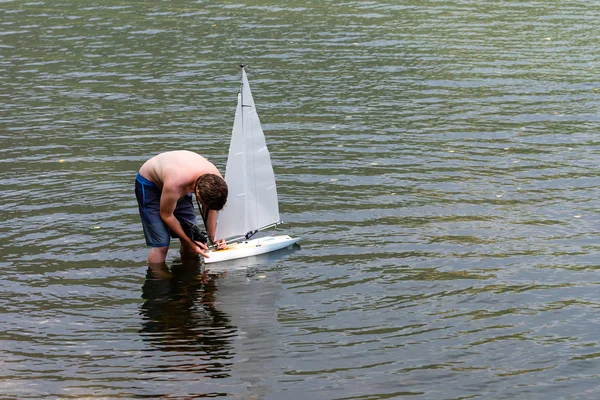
(210, 330)
(180, 316)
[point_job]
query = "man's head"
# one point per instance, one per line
(212, 191)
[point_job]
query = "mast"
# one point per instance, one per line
(252, 204)
(243, 117)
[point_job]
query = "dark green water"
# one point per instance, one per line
(439, 160)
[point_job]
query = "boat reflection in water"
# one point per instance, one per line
(180, 316)
(211, 332)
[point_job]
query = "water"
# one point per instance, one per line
(438, 159)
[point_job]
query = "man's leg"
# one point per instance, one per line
(186, 251)
(158, 255)
(155, 231)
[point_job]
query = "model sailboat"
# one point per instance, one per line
(252, 205)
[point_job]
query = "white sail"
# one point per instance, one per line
(252, 202)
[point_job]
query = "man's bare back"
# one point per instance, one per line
(177, 169)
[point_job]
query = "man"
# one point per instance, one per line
(164, 187)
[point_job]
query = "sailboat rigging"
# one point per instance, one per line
(252, 205)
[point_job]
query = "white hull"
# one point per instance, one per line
(250, 248)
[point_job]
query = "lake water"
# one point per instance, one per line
(439, 160)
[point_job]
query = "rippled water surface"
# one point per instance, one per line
(439, 160)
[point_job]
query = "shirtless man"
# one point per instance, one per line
(164, 187)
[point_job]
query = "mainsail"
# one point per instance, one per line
(252, 202)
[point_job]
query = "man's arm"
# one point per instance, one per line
(168, 202)
(211, 228)
(211, 225)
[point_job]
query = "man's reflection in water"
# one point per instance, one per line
(179, 316)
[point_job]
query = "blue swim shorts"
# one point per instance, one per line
(158, 234)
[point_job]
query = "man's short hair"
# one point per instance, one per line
(212, 190)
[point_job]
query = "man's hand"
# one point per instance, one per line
(221, 244)
(199, 248)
